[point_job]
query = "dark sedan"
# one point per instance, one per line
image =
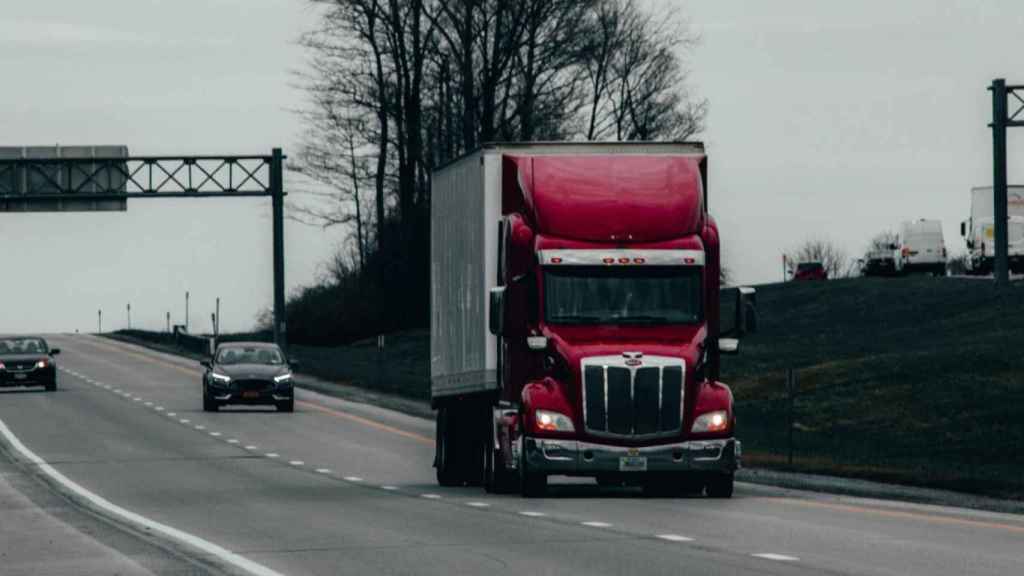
(248, 373)
(27, 361)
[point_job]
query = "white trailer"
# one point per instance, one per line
(980, 234)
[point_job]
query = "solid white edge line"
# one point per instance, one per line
(778, 557)
(134, 518)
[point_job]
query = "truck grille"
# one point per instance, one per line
(632, 401)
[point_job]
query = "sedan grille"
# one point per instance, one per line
(254, 385)
(632, 401)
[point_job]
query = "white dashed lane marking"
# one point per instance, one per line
(215, 434)
(250, 447)
(232, 441)
(532, 514)
(323, 471)
(353, 478)
(597, 524)
(296, 462)
(478, 504)
(674, 538)
(431, 496)
(777, 557)
(387, 487)
(272, 455)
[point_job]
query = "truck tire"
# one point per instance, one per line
(531, 484)
(720, 485)
(497, 478)
(445, 460)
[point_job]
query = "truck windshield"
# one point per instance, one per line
(621, 295)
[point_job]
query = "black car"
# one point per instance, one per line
(248, 373)
(27, 361)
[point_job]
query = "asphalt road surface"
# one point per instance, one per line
(120, 472)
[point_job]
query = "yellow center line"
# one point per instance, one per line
(311, 405)
(933, 518)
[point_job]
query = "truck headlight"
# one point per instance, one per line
(41, 364)
(553, 421)
(220, 378)
(283, 378)
(711, 422)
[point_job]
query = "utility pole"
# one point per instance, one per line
(99, 321)
(186, 311)
(168, 322)
(216, 319)
(129, 315)
(1000, 121)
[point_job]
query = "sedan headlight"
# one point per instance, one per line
(711, 422)
(553, 421)
(223, 379)
(41, 364)
(283, 378)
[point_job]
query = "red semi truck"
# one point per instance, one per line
(575, 319)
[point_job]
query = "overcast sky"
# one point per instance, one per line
(827, 119)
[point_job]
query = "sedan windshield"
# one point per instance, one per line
(240, 355)
(620, 295)
(23, 346)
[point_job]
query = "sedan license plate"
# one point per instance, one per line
(633, 464)
(20, 376)
(250, 394)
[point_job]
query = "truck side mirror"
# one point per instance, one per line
(746, 310)
(496, 312)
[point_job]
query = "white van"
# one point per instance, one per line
(923, 249)
(979, 231)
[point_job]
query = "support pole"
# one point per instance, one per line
(277, 195)
(999, 120)
(790, 392)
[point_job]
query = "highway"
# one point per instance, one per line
(120, 471)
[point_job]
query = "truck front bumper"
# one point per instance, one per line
(574, 458)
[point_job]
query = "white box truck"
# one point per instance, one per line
(980, 234)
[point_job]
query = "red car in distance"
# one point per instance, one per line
(810, 271)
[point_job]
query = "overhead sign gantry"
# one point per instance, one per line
(104, 178)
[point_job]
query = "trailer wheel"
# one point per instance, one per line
(720, 485)
(531, 484)
(448, 472)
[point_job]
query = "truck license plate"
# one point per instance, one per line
(20, 376)
(633, 464)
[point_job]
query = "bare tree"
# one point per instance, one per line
(831, 256)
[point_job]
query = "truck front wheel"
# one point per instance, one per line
(720, 485)
(531, 484)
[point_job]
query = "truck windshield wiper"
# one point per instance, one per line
(642, 319)
(570, 319)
